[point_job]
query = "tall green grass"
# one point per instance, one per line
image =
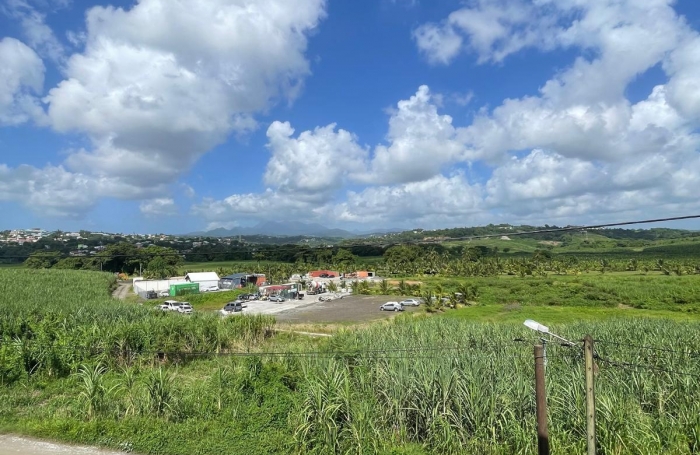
(469, 388)
(52, 321)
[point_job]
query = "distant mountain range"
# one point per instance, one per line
(289, 229)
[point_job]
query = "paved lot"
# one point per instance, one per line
(350, 308)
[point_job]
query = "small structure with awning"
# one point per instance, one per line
(288, 291)
(205, 279)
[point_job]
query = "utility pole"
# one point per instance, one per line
(590, 395)
(541, 402)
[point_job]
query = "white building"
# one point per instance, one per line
(142, 287)
(205, 279)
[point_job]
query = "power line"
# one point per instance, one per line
(650, 348)
(478, 349)
(635, 366)
(304, 249)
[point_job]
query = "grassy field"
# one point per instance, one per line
(76, 365)
(647, 291)
(591, 244)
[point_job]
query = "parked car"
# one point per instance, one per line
(277, 299)
(410, 302)
(170, 305)
(232, 307)
(164, 294)
(185, 308)
(150, 295)
(249, 296)
(210, 289)
(391, 306)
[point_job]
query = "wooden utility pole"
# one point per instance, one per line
(590, 395)
(541, 401)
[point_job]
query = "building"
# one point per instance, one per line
(288, 291)
(143, 287)
(205, 279)
(360, 274)
(241, 280)
(318, 273)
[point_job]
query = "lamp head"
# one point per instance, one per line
(536, 326)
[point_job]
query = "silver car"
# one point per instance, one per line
(185, 308)
(410, 302)
(391, 306)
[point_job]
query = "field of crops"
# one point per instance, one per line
(418, 385)
(53, 320)
(633, 289)
(455, 387)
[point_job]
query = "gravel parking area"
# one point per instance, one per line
(354, 308)
(351, 308)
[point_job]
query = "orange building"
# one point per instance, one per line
(360, 274)
(318, 273)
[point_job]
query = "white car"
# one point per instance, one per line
(164, 294)
(210, 289)
(170, 305)
(185, 308)
(391, 306)
(410, 302)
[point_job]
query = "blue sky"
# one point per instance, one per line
(173, 116)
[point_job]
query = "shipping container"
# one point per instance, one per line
(184, 289)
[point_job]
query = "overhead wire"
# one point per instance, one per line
(636, 366)
(690, 353)
(474, 350)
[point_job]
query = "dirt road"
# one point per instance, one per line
(121, 292)
(15, 445)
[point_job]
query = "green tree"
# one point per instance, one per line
(344, 259)
(42, 260)
(119, 257)
(159, 268)
(70, 264)
(384, 287)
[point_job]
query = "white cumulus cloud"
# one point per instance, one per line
(437, 200)
(158, 207)
(159, 84)
(21, 80)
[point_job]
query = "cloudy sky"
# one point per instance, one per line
(180, 115)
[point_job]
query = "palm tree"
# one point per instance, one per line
(428, 301)
(384, 287)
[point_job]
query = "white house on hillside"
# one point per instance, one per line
(205, 279)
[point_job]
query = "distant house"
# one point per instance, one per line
(205, 279)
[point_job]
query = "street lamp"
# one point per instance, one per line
(537, 327)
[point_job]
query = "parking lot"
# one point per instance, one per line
(352, 308)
